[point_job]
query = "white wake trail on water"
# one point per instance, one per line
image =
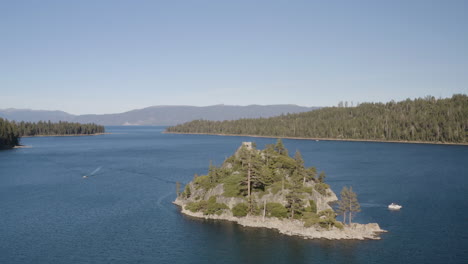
(372, 205)
(95, 171)
(159, 202)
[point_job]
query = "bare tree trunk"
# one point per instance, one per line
(303, 181)
(282, 187)
(264, 210)
(344, 218)
(350, 216)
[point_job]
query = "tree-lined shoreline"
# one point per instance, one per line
(423, 120)
(323, 139)
(11, 132)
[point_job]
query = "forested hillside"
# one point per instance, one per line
(424, 119)
(61, 128)
(10, 132)
(9, 136)
(266, 180)
(157, 115)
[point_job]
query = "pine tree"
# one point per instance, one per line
(342, 203)
(300, 171)
(280, 148)
(348, 204)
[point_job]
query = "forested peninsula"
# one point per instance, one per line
(11, 132)
(268, 188)
(427, 120)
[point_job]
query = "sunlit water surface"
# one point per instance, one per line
(122, 213)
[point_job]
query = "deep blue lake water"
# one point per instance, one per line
(123, 213)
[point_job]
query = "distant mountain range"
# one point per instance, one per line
(158, 115)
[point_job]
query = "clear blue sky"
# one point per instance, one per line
(113, 56)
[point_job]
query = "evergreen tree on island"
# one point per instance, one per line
(262, 182)
(348, 205)
(268, 188)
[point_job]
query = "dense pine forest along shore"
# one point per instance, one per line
(11, 132)
(323, 139)
(69, 135)
(9, 136)
(423, 120)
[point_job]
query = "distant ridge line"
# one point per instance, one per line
(158, 115)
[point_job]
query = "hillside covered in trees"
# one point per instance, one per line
(61, 128)
(253, 181)
(9, 136)
(424, 120)
(261, 187)
(10, 132)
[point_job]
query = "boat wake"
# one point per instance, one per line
(372, 205)
(160, 204)
(93, 172)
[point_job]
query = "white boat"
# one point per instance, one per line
(394, 206)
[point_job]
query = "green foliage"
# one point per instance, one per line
(209, 207)
(280, 148)
(203, 182)
(254, 208)
(312, 207)
(240, 210)
(267, 171)
(213, 174)
(327, 218)
(233, 186)
(321, 188)
(10, 132)
(285, 162)
(348, 205)
(310, 173)
(276, 210)
(310, 219)
(60, 128)
(329, 213)
(295, 202)
(423, 119)
(305, 189)
(214, 208)
(338, 224)
(196, 206)
(276, 187)
(187, 192)
(321, 177)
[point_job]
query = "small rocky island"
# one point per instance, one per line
(267, 188)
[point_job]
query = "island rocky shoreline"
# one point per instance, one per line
(290, 227)
(268, 188)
